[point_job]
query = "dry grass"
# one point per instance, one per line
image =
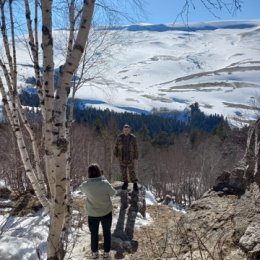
(151, 237)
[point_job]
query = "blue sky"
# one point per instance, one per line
(166, 11)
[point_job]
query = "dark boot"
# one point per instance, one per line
(135, 186)
(125, 186)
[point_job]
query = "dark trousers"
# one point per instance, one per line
(131, 171)
(106, 222)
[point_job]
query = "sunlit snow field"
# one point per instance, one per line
(143, 67)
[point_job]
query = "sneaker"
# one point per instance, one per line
(135, 186)
(106, 256)
(125, 186)
(95, 255)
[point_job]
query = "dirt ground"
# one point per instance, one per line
(149, 237)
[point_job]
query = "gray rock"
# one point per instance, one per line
(225, 223)
(251, 238)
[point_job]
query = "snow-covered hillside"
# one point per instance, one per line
(171, 66)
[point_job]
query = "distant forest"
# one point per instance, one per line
(180, 153)
(162, 125)
(156, 123)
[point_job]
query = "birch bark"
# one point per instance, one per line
(59, 143)
(56, 129)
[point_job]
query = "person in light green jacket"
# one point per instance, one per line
(99, 207)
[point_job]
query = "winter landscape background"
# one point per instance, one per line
(146, 67)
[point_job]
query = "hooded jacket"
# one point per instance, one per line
(98, 191)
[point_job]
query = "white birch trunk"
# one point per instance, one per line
(60, 143)
(30, 171)
(56, 130)
(48, 93)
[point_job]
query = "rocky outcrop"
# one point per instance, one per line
(18, 204)
(250, 241)
(225, 223)
(25, 204)
(219, 227)
(248, 169)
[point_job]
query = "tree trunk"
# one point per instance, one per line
(60, 144)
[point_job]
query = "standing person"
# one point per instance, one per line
(126, 151)
(99, 207)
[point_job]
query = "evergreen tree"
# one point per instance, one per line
(144, 133)
(163, 139)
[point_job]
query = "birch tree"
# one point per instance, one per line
(53, 194)
(54, 165)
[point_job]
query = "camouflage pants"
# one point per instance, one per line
(123, 168)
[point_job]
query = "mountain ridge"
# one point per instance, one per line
(152, 69)
(210, 25)
(139, 70)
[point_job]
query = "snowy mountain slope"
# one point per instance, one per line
(171, 66)
(158, 66)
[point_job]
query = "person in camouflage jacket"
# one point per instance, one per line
(126, 151)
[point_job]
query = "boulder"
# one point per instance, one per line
(251, 237)
(25, 204)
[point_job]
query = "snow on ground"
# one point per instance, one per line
(2, 184)
(24, 238)
(176, 207)
(149, 198)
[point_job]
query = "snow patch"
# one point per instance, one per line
(150, 198)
